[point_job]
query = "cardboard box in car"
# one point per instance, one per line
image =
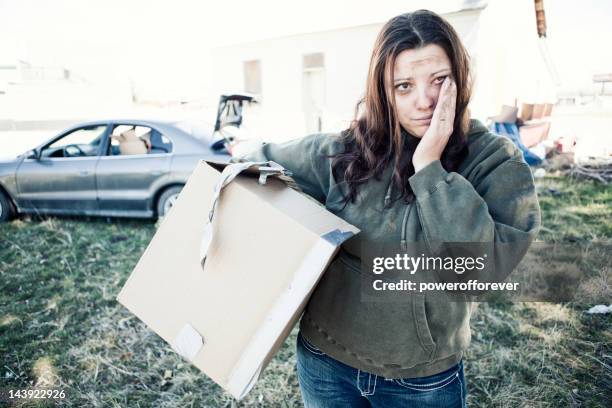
(229, 316)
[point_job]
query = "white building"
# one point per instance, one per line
(311, 82)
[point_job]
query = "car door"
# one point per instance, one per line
(129, 173)
(62, 178)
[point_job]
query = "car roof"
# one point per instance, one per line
(135, 121)
(181, 139)
(184, 139)
(161, 124)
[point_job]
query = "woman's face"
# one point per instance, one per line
(417, 77)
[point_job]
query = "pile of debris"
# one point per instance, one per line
(530, 133)
(599, 169)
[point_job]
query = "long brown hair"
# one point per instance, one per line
(375, 136)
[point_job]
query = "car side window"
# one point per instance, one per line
(80, 142)
(132, 139)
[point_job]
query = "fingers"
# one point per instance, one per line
(443, 116)
(436, 137)
(444, 97)
(452, 96)
(446, 105)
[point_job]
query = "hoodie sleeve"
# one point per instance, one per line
(302, 157)
(500, 210)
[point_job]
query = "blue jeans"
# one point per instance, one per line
(328, 383)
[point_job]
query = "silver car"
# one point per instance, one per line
(123, 168)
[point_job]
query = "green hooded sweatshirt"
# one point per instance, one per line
(491, 198)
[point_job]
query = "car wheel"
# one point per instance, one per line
(6, 208)
(167, 200)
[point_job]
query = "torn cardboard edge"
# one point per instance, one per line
(255, 171)
(309, 218)
(228, 174)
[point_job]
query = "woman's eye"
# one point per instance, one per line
(439, 80)
(403, 86)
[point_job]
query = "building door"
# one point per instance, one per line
(313, 92)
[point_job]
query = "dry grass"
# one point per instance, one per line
(61, 328)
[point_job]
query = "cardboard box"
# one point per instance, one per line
(533, 133)
(230, 315)
(526, 111)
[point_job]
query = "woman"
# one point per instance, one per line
(412, 168)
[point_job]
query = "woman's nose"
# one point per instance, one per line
(425, 97)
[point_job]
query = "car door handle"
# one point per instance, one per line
(156, 172)
(83, 173)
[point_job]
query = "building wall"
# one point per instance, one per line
(280, 116)
(499, 38)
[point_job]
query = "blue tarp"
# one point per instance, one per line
(511, 131)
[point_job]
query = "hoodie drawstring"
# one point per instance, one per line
(403, 244)
(388, 194)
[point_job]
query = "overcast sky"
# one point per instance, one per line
(163, 45)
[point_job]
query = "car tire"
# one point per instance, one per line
(7, 211)
(166, 200)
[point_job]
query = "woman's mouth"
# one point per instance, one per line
(423, 121)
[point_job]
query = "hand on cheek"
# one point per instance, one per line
(436, 137)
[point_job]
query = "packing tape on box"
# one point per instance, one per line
(228, 174)
(187, 342)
